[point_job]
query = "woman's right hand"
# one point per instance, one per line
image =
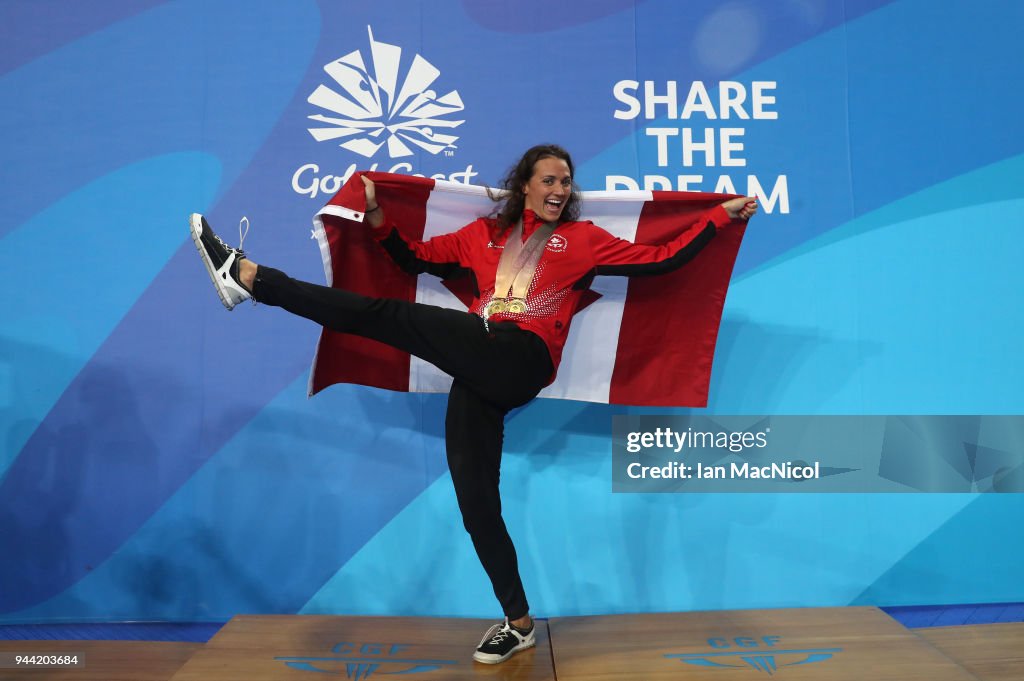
(374, 213)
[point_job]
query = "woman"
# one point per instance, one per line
(501, 352)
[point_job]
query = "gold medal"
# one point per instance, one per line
(517, 267)
(496, 306)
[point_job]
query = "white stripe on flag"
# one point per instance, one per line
(589, 356)
(320, 234)
(341, 212)
(449, 207)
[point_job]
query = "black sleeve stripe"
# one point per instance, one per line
(683, 256)
(406, 259)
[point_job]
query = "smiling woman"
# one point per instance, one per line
(531, 262)
(549, 188)
(542, 167)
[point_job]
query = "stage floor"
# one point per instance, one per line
(992, 652)
(271, 648)
(824, 644)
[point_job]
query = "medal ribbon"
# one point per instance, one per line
(518, 263)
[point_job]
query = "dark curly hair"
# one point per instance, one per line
(514, 201)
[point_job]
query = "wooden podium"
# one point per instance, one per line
(813, 644)
(282, 648)
(820, 644)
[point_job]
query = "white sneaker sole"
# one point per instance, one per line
(494, 659)
(228, 296)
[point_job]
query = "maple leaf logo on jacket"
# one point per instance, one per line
(557, 243)
(378, 105)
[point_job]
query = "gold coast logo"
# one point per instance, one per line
(373, 103)
(376, 104)
(761, 654)
(358, 661)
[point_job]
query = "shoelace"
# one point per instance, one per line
(241, 234)
(241, 238)
(496, 634)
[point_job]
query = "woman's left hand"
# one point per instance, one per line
(743, 208)
(374, 217)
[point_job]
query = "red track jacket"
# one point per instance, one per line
(575, 253)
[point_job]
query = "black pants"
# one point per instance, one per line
(494, 372)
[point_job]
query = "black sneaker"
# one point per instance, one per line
(221, 260)
(502, 641)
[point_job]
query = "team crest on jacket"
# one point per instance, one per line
(557, 243)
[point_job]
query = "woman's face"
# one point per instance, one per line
(549, 188)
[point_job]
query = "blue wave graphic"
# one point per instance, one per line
(156, 445)
(53, 325)
(129, 416)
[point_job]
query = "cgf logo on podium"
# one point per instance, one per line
(357, 661)
(762, 654)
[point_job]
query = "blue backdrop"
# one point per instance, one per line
(159, 458)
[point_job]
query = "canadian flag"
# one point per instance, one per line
(639, 341)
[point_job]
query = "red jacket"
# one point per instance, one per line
(575, 253)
